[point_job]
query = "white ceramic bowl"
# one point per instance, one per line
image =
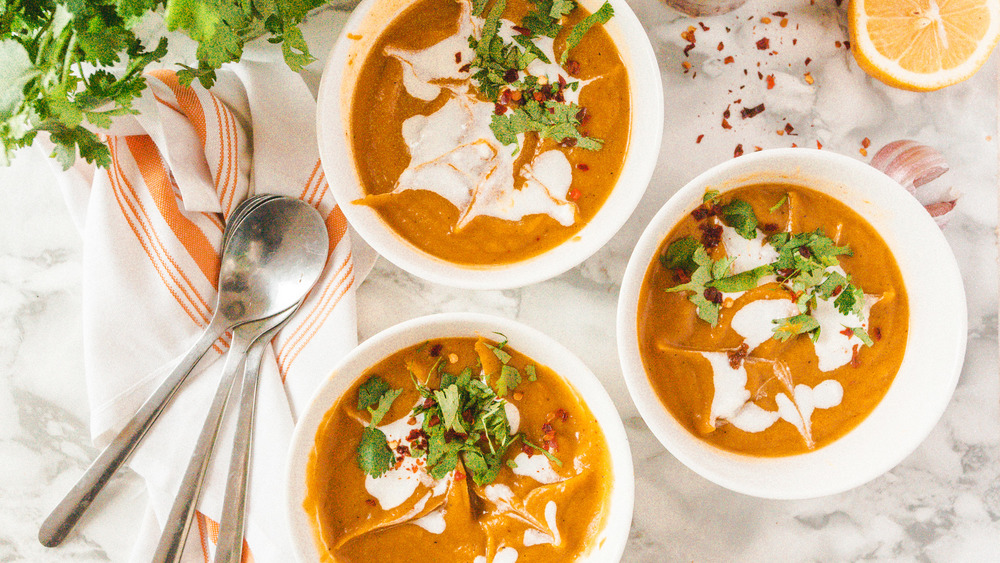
(333, 110)
(608, 544)
(934, 352)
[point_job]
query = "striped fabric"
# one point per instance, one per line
(152, 226)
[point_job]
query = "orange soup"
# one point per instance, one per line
(454, 450)
(774, 320)
(490, 137)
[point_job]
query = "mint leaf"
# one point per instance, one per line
(739, 215)
(371, 391)
(601, 16)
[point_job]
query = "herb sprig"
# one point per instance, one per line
(807, 265)
(464, 420)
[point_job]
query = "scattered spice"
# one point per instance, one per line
(764, 43)
(728, 60)
(725, 124)
(738, 151)
(700, 137)
(770, 81)
(703, 26)
(736, 356)
(819, 145)
(809, 78)
(720, 46)
(789, 128)
(582, 167)
(436, 350)
(714, 295)
(711, 236)
(866, 142)
(784, 22)
(458, 57)
(747, 113)
(686, 65)
(573, 195)
(808, 60)
(765, 20)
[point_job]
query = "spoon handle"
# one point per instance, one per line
(230, 546)
(67, 513)
(178, 524)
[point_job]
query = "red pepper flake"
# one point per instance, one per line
(521, 30)
(583, 116)
(837, 44)
(720, 46)
(770, 81)
(572, 67)
(866, 142)
(847, 45)
(428, 403)
(711, 235)
(688, 49)
(568, 142)
(784, 22)
(411, 421)
(459, 476)
(763, 44)
(808, 60)
(583, 167)
(847, 332)
(789, 128)
(770, 227)
(371, 502)
(465, 68)
(686, 65)
(713, 295)
(573, 195)
(855, 356)
(726, 113)
(561, 414)
(809, 78)
(551, 445)
(538, 96)
(779, 14)
(765, 20)
(434, 420)
(736, 356)
(688, 34)
(757, 148)
(780, 132)
(748, 113)
(794, 40)
(728, 60)
(725, 124)
(703, 26)
(876, 334)
(499, 108)
(863, 151)
(458, 57)
(518, 395)
(819, 145)
(760, 75)
(738, 151)
(700, 137)
(546, 427)
(681, 275)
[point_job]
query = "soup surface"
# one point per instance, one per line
(774, 320)
(458, 449)
(492, 152)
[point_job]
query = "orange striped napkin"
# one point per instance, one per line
(152, 226)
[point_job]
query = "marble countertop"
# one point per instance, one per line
(942, 503)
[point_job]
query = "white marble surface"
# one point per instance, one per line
(941, 504)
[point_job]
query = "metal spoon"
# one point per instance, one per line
(229, 548)
(248, 336)
(263, 272)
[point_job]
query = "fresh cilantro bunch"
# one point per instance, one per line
(68, 67)
(805, 266)
(464, 419)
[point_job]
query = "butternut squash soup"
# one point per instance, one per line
(489, 131)
(458, 449)
(774, 320)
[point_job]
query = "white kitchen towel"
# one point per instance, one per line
(152, 225)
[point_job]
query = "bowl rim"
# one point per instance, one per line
(862, 454)
(609, 546)
(646, 93)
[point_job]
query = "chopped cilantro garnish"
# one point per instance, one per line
(373, 453)
(707, 271)
(530, 370)
(743, 281)
(601, 16)
(710, 195)
(552, 119)
(739, 215)
(860, 333)
(777, 206)
(509, 379)
(680, 254)
(501, 355)
(371, 391)
(799, 324)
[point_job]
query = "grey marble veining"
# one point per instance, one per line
(940, 504)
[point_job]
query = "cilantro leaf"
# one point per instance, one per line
(792, 326)
(530, 370)
(450, 401)
(501, 355)
(833, 283)
(744, 281)
(509, 379)
(384, 404)
(710, 195)
(680, 254)
(373, 454)
(601, 16)
(561, 8)
(477, 7)
(860, 333)
(739, 215)
(542, 20)
(555, 120)
(850, 300)
(371, 391)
